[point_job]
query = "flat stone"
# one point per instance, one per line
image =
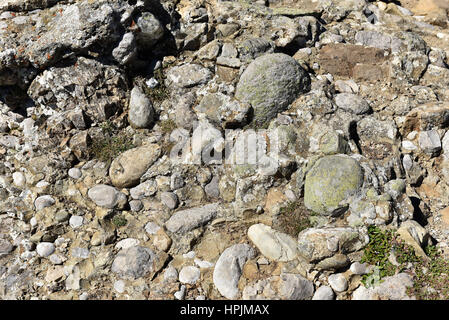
(187, 76)
(127, 168)
(352, 103)
(228, 269)
(429, 142)
(273, 244)
(44, 202)
(136, 262)
(189, 219)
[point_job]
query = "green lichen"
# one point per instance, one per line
(332, 180)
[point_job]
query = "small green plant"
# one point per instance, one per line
(382, 243)
(119, 221)
(160, 92)
(111, 145)
(431, 276)
(294, 218)
(167, 126)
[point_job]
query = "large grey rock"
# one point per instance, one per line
(295, 287)
(270, 84)
(324, 293)
(136, 262)
(331, 181)
(273, 244)
(127, 168)
(189, 219)
(228, 269)
(391, 288)
(151, 30)
(45, 37)
(141, 112)
(187, 75)
(99, 90)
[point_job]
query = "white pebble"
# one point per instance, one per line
(44, 249)
(76, 221)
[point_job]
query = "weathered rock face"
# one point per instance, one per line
(274, 245)
(58, 32)
(330, 181)
(358, 62)
(270, 83)
(269, 140)
(99, 90)
(317, 244)
(126, 169)
(136, 262)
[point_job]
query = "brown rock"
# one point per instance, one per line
(347, 60)
(445, 215)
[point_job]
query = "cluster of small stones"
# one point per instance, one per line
(354, 93)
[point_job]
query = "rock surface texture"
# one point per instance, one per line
(211, 149)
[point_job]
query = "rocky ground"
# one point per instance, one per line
(212, 149)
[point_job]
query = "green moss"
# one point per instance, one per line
(119, 221)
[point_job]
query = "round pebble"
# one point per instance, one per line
(338, 282)
(76, 221)
(75, 173)
(189, 275)
(44, 249)
(324, 293)
(119, 286)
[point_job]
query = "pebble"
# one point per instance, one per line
(152, 228)
(170, 274)
(228, 269)
(189, 275)
(119, 286)
(44, 249)
(75, 173)
(358, 268)
(44, 202)
(127, 243)
(338, 282)
(169, 199)
(76, 221)
(324, 293)
(19, 179)
(181, 293)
